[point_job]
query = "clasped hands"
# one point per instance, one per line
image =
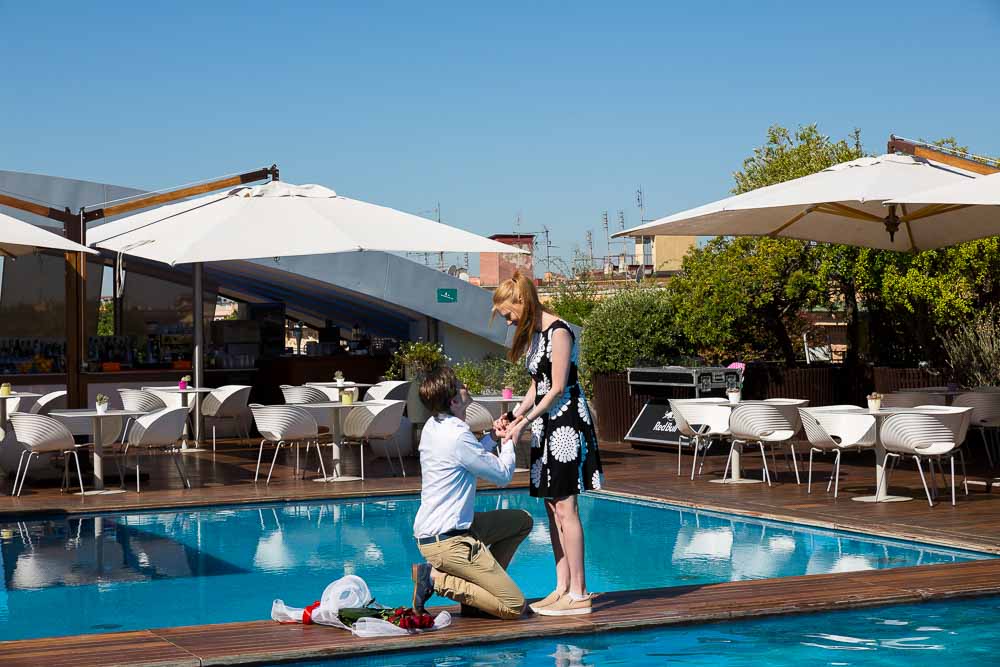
(504, 429)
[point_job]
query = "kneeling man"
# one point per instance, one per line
(467, 552)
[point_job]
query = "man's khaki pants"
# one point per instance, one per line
(475, 565)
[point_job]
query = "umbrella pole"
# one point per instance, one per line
(199, 345)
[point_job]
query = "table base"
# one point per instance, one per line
(884, 499)
(522, 469)
(100, 492)
(741, 480)
(192, 450)
(341, 478)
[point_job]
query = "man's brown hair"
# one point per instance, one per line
(438, 388)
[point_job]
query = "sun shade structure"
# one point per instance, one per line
(23, 238)
(278, 220)
(971, 202)
(844, 203)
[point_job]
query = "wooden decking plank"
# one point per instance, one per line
(105, 650)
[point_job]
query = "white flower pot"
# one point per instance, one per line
(875, 404)
(102, 408)
(734, 397)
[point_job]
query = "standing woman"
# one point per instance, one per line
(564, 457)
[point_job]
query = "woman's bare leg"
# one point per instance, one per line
(562, 566)
(571, 540)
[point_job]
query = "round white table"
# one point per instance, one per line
(184, 394)
(97, 430)
(343, 385)
(505, 404)
(337, 433)
(3, 404)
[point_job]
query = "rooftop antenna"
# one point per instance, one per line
(437, 210)
(548, 248)
(590, 249)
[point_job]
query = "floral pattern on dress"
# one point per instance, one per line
(565, 430)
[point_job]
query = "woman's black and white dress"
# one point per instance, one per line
(564, 456)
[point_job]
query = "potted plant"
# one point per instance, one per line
(101, 402)
(5, 389)
(874, 401)
(183, 384)
(338, 377)
(735, 393)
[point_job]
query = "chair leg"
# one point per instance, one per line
(763, 458)
(213, 438)
(122, 465)
(933, 476)
(986, 446)
(319, 455)
(836, 473)
(62, 487)
(694, 461)
(399, 454)
(138, 460)
(704, 453)
(17, 475)
(923, 479)
(951, 459)
(24, 474)
(177, 462)
(273, 460)
(79, 475)
(809, 475)
(260, 454)
(679, 456)
(965, 478)
(795, 464)
(361, 447)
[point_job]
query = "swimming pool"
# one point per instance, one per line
(214, 565)
(955, 633)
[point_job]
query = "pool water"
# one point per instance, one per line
(920, 635)
(196, 566)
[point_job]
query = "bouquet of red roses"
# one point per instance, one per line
(402, 617)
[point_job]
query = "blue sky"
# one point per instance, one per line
(556, 111)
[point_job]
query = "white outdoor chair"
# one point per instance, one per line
(54, 400)
(227, 403)
(699, 422)
(374, 422)
(478, 417)
(140, 400)
(985, 417)
(303, 394)
(390, 390)
(284, 425)
(41, 434)
(835, 432)
(157, 430)
(925, 436)
(838, 408)
(765, 423)
(910, 399)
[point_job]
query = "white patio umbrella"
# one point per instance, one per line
(278, 220)
(274, 220)
(841, 204)
(23, 238)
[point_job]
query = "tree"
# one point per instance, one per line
(744, 296)
(106, 318)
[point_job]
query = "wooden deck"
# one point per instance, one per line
(226, 477)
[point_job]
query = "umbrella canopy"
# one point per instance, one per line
(275, 220)
(964, 195)
(23, 238)
(841, 204)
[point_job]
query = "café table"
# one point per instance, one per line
(337, 436)
(97, 419)
(505, 404)
(11, 396)
(184, 394)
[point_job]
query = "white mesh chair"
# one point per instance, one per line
(837, 408)
(700, 422)
(227, 403)
(303, 394)
(54, 400)
(930, 436)
(764, 423)
(140, 400)
(284, 425)
(835, 432)
(41, 434)
(390, 390)
(162, 430)
(985, 417)
(373, 422)
(910, 399)
(478, 417)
